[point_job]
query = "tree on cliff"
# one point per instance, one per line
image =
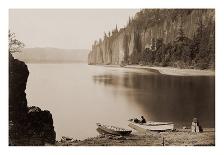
(160, 49)
(105, 36)
(211, 49)
(203, 46)
(14, 44)
(180, 35)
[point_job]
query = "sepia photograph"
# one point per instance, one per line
(111, 77)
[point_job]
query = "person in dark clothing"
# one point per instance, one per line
(143, 120)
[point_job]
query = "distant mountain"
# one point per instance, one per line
(52, 55)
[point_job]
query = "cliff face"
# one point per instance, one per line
(127, 44)
(27, 125)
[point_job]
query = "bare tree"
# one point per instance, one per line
(14, 44)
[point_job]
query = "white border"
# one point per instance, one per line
(110, 4)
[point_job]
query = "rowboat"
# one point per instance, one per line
(66, 139)
(108, 129)
(152, 126)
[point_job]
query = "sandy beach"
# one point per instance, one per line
(170, 70)
(180, 137)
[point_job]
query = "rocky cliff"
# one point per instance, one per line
(27, 125)
(128, 44)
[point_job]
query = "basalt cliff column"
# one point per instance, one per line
(27, 125)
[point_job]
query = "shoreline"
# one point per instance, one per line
(180, 137)
(169, 70)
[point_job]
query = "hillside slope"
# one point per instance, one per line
(52, 55)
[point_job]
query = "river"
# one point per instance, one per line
(79, 96)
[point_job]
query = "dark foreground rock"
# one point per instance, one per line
(27, 125)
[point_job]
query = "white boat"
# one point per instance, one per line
(152, 126)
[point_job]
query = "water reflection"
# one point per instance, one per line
(166, 98)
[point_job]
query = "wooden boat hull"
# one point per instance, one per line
(104, 129)
(152, 126)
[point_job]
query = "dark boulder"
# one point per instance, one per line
(41, 124)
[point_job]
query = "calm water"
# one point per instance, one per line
(79, 96)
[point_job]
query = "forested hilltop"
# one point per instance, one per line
(183, 38)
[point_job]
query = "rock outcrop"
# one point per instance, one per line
(27, 125)
(128, 44)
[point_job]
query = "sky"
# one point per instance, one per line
(65, 28)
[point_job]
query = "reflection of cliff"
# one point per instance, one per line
(132, 44)
(27, 125)
(167, 98)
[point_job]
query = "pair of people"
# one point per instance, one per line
(142, 120)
